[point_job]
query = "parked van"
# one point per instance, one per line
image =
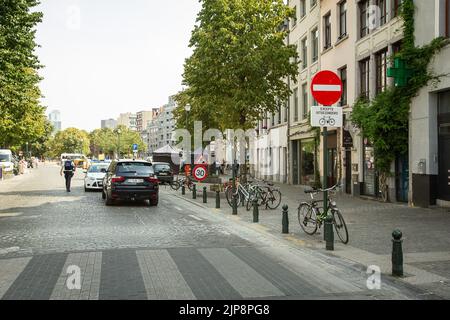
(6, 160)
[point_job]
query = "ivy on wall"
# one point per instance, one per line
(385, 119)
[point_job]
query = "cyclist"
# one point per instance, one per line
(68, 168)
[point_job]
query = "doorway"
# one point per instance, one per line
(444, 146)
(402, 178)
(348, 171)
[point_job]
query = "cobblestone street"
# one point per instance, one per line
(181, 249)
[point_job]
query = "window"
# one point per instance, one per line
(302, 8)
(313, 3)
(305, 100)
(273, 119)
(396, 7)
(294, 19)
(363, 19)
(381, 4)
(342, 19)
(381, 65)
(279, 114)
(305, 53)
(396, 47)
(315, 45)
(327, 30)
(343, 76)
(364, 77)
(295, 104)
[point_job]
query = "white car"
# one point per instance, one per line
(6, 160)
(94, 176)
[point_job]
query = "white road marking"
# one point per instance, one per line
(178, 208)
(326, 87)
(195, 217)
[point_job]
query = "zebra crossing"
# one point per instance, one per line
(187, 273)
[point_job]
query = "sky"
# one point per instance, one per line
(106, 57)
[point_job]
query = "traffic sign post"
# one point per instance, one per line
(326, 88)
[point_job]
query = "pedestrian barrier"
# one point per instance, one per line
(217, 199)
(194, 191)
(205, 199)
(285, 220)
(255, 211)
(183, 190)
(397, 253)
(329, 234)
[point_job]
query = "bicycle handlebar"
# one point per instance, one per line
(322, 190)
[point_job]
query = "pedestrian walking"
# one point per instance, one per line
(68, 168)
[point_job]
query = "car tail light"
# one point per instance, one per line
(117, 179)
(152, 180)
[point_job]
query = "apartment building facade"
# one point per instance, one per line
(128, 120)
(305, 32)
(143, 119)
(429, 151)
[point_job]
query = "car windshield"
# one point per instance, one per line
(97, 168)
(136, 168)
(5, 158)
(161, 167)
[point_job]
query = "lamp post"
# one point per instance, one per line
(27, 150)
(188, 109)
(118, 142)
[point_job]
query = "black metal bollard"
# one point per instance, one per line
(194, 191)
(255, 211)
(329, 234)
(205, 199)
(183, 190)
(397, 253)
(217, 199)
(234, 206)
(285, 220)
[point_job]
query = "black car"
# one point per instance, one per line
(163, 171)
(130, 180)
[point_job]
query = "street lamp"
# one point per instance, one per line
(27, 150)
(118, 144)
(187, 108)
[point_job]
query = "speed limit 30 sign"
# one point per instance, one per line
(200, 173)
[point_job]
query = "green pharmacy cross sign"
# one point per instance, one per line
(400, 73)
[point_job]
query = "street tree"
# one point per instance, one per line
(22, 118)
(240, 62)
(71, 140)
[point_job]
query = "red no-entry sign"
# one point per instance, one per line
(326, 88)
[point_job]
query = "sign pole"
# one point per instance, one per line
(325, 172)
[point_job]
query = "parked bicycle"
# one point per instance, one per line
(311, 216)
(265, 194)
(177, 184)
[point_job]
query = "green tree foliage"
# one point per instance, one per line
(71, 140)
(22, 118)
(108, 141)
(240, 62)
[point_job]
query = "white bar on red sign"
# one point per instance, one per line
(326, 87)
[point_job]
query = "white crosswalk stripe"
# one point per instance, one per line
(244, 279)
(162, 279)
(90, 268)
(10, 269)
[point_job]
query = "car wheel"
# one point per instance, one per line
(154, 203)
(108, 200)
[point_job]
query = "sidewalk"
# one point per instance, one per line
(426, 234)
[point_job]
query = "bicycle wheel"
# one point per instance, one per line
(229, 195)
(273, 199)
(340, 226)
(175, 185)
(307, 218)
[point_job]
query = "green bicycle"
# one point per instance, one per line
(311, 216)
